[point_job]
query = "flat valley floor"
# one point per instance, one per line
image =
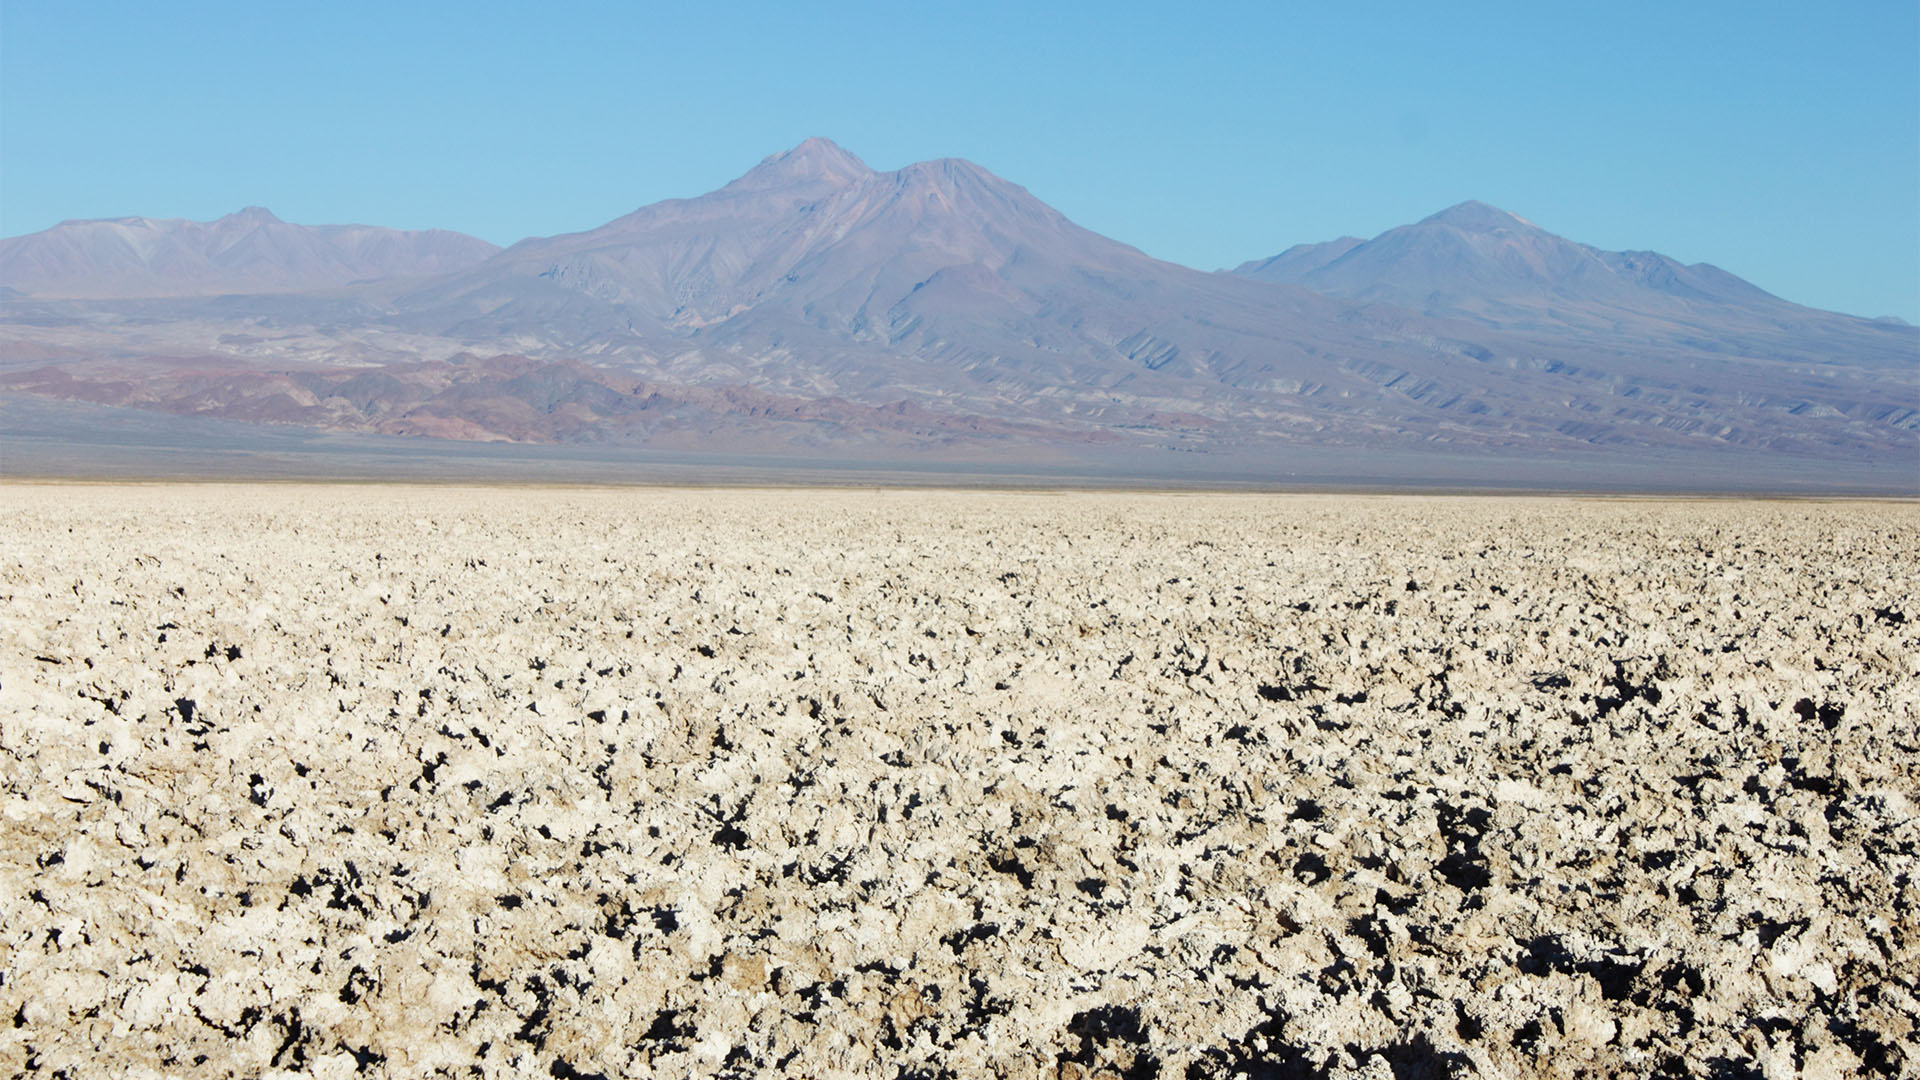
(425, 781)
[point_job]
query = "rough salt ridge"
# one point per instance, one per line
(406, 781)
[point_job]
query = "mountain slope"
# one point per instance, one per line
(1299, 260)
(818, 288)
(814, 272)
(1479, 263)
(250, 251)
(1475, 254)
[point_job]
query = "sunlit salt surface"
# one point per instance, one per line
(637, 782)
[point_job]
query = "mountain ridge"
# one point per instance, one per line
(1479, 263)
(942, 288)
(248, 251)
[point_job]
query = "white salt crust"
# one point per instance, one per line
(439, 782)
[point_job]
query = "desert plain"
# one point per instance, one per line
(431, 781)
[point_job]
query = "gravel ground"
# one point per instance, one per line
(428, 781)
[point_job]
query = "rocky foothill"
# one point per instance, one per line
(435, 782)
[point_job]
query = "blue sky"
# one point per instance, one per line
(1780, 141)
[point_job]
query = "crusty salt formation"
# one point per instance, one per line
(391, 781)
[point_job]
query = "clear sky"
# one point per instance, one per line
(1780, 141)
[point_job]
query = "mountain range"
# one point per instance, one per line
(250, 251)
(1480, 264)
(818, 306)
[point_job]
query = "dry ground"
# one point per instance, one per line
(425, 781)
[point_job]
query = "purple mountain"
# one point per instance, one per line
(246, 252)
(800, 304)
(1481, 264)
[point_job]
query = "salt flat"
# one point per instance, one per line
(399, 781)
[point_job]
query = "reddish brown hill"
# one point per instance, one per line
(512, 399)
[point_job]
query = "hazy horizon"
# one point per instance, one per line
(1783, 149)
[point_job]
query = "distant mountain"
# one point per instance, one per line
(1299, 260)
(250, 251)
(1471, 258)
(815, 272)
(815, 303)
(1480, 263)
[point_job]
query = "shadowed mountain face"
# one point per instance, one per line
(246, 252)
(815, 302)
(1479, 263)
